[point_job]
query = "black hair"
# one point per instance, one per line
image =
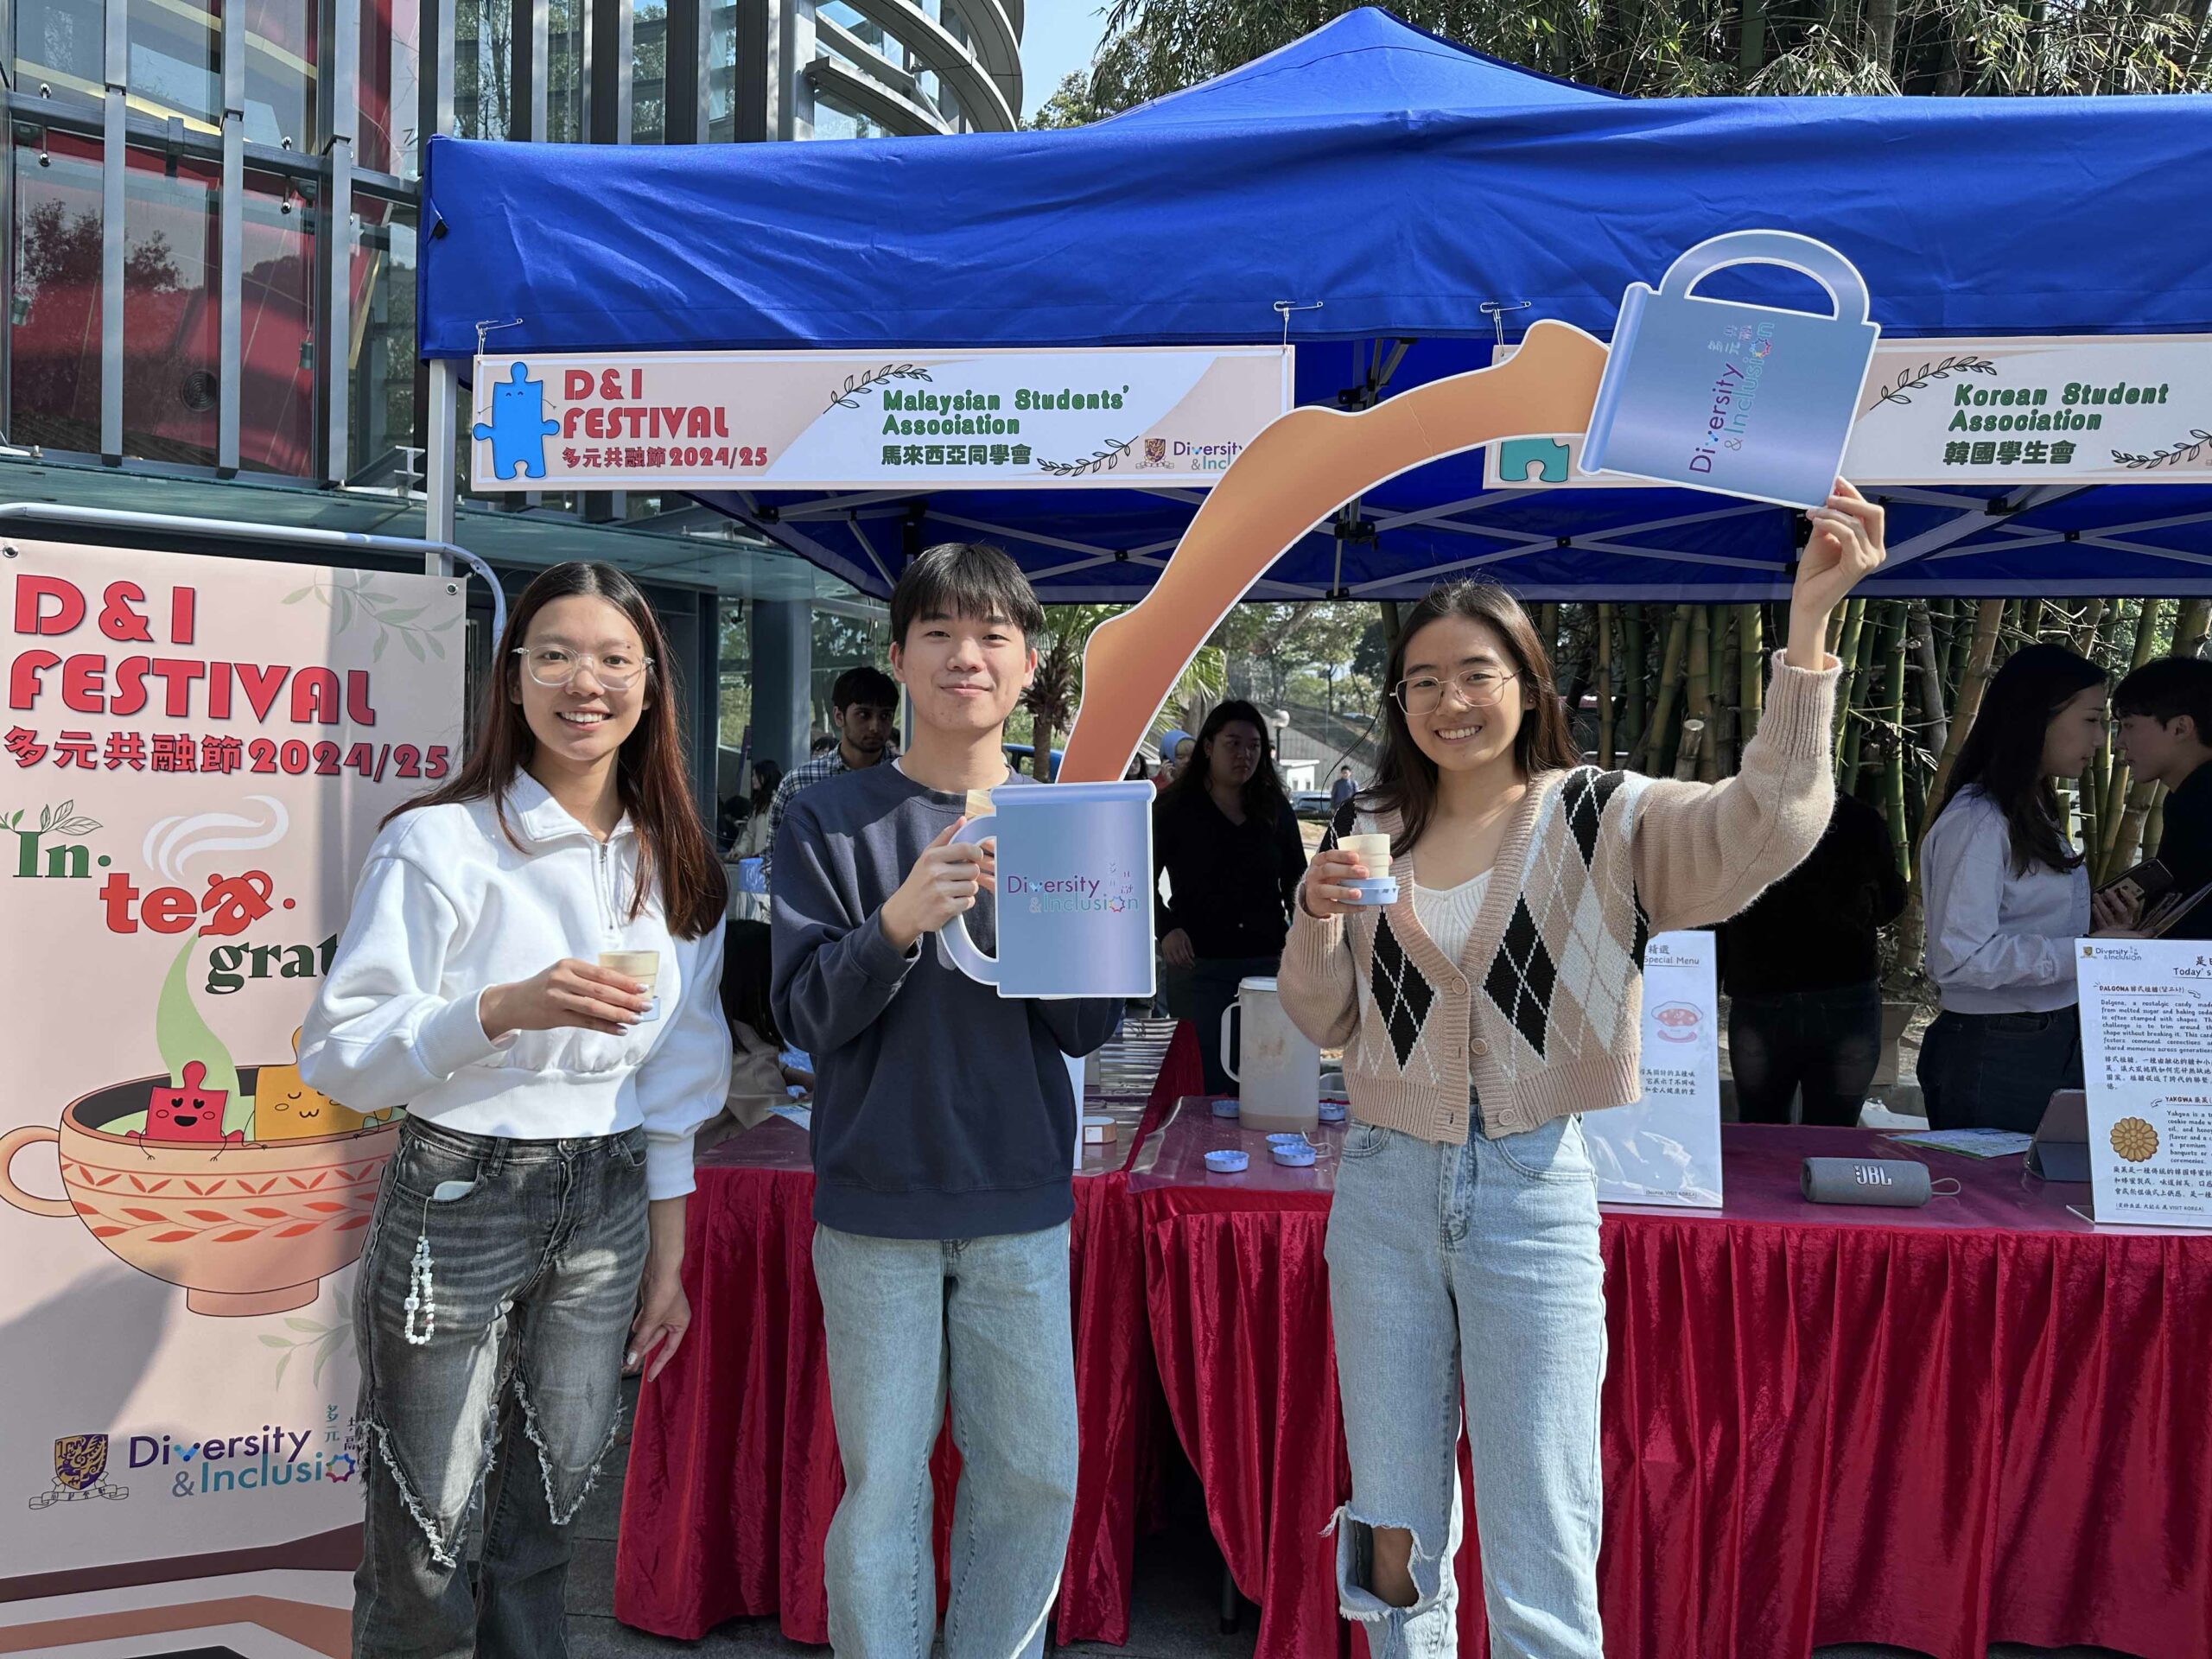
(746, 967)
(2003, 754)
(866, 685)
(767, 775)
(1264, 800)
(822, 745)
(964, 579)
(2167, 689)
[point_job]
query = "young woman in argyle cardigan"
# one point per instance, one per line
(1496, 1001)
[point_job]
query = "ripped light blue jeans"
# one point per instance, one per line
(483, 1441)
(1471, 1268)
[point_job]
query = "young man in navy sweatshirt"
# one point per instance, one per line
(943, 1144)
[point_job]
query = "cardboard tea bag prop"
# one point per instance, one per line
(1791, 380)
(1722, 395)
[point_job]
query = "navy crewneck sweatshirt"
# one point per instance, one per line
(941, 1108)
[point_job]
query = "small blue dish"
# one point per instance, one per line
(1225, 1108)
(1297, 1157)
(1332, 1111)
(1230, 1162)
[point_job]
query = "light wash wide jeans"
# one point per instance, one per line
(484, 1440)
(1472, 1267)
(988, 1320)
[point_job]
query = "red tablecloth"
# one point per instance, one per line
(734, 1472)
(1980, 1421)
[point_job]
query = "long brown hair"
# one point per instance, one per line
(650, 778)
(1264, 799)
(1405, 781)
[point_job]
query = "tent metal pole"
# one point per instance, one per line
(437, 557)
(438, 466)
(1970, 524)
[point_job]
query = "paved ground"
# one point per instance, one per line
(1176, 1615)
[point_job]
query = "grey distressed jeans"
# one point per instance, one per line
(484, 1440)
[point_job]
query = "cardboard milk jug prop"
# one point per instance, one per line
(1722, 395)
(1074, 893)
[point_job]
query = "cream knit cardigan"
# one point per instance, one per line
(1541, 1015)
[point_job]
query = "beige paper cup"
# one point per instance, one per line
(644, 966)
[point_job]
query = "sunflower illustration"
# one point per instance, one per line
(2134, 1140)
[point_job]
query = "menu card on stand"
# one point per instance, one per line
(2146, 1048)
(1664, 1149)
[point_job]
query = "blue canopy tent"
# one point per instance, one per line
(1429, 199)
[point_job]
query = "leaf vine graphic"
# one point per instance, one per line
(60, 820)
(857, 386)
(343, 593)
(2196, 447)
(1105, 461)
(1919, 378)
(323, 1341)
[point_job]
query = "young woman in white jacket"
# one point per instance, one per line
(540, 1178)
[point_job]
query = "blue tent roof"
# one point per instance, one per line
(1404, 183)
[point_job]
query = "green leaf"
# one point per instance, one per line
(281, 1365)
(276, 1342)
(414, 645)
(397, 617)
(298, 593)
(308, 1325)
(345, 609)
(436, 650)
(64, 810)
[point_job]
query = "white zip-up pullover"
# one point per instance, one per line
(446, 908)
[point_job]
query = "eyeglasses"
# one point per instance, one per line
(556, 665)
(1478, 688)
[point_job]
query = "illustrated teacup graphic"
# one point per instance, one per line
(245, 1229)
(1074, 892)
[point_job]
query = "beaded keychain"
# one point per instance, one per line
(420, 1295)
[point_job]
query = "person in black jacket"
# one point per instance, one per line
(2163, 711)
(1225, 835)
(1802, 970)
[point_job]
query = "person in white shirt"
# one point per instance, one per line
(2007, 894)
(551, 1103)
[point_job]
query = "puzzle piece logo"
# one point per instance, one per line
(1544, 458)
(519, 428)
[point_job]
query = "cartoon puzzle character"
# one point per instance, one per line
(519, 428)
(193, 1114)
(1542, 459)
(285, 1109)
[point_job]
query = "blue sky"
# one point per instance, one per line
(1057, 39)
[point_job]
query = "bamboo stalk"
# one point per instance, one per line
(1670, 669)
(1686, 753)
(1638, 673)
(1861, 675)
(2190, 626)
(1980, 664)
(1700, 705)
(1727, 693)
(1893, 771)
(1847, 653)
(1604, 687)
(1934, 723)
(1752, 671)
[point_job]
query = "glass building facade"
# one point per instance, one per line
(212, 209)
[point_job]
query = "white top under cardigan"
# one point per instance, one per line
(1998, 942)
(447, 906)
